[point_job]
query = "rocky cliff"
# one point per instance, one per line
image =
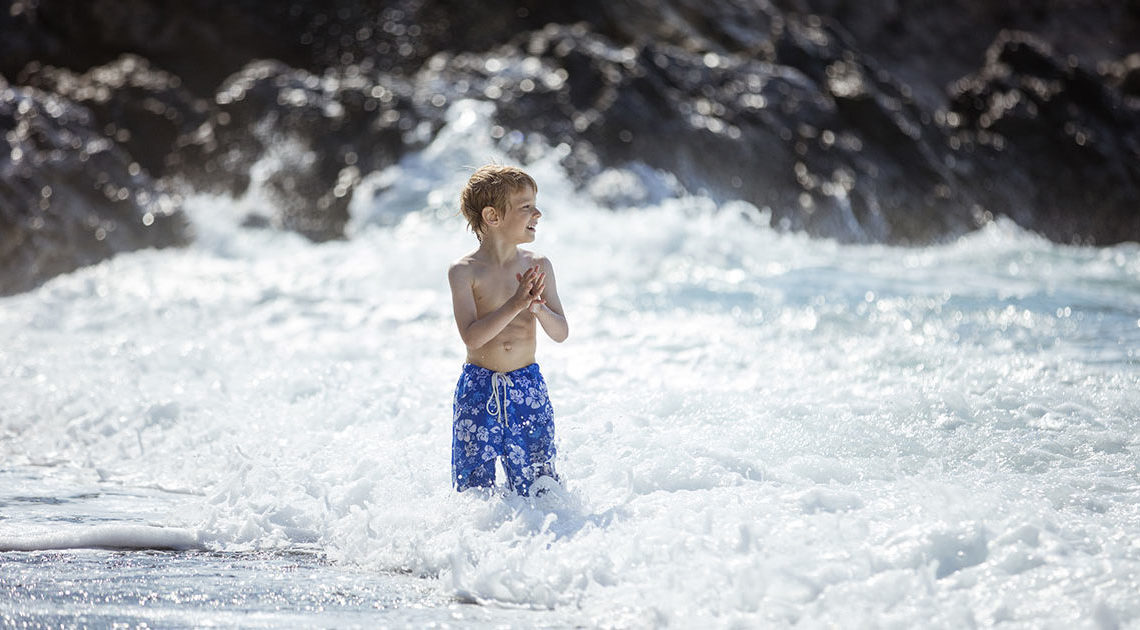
(905, 122)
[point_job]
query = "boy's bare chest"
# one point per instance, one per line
(493, 288)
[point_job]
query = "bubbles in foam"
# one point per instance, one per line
(754, 427)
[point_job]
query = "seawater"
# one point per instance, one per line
(754, 428)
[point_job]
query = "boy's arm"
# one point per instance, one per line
(549, 312)
(475, 331)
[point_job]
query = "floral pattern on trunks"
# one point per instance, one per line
(526, 442)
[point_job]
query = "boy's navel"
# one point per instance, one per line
(506, 346)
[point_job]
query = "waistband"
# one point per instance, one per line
(500, 381)
(471, 368)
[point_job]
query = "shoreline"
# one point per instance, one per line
(119, 576)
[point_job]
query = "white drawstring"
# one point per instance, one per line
(499, 412)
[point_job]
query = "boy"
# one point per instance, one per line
(498, 292)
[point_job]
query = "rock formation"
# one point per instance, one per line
(898, 122)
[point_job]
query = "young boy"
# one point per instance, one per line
(498, 292)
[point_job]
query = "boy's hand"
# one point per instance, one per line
(536, 294)
(532, 283)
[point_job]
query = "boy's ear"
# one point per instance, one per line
(490, 215)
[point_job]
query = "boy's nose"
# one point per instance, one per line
(537, 212)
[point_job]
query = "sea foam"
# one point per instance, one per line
(118, 536)
(753, 426)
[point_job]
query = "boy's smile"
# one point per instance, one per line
(522, 218)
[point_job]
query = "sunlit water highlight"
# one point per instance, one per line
(753, 427)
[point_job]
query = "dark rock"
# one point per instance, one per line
(69, 196)
(1125, 75)
(929, 44)
(141, 108)
(834, 115)
(831, 147)
(313, 135)
(696, 26)
(205, 41)
(201, 41)
(1050, 144)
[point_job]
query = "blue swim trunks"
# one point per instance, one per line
(502, 414)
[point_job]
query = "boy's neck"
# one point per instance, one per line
(498, 251)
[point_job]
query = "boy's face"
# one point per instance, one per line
(519, 221)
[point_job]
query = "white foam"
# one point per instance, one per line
(755, 428)
(117, 536)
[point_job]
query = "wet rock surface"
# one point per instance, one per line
(313, 135)
(69, 196)
(141, 108)
(902, 122)
(840, 154)
(930, 44)
(1051, 144)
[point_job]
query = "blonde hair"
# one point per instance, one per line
(491, 185)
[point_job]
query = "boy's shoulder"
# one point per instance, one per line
(463, 267)
(468, 264)
(465, 260)
(535, 258)
(532, 257)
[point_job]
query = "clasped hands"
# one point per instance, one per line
(532, 283)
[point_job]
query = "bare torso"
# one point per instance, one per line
(514, 346)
